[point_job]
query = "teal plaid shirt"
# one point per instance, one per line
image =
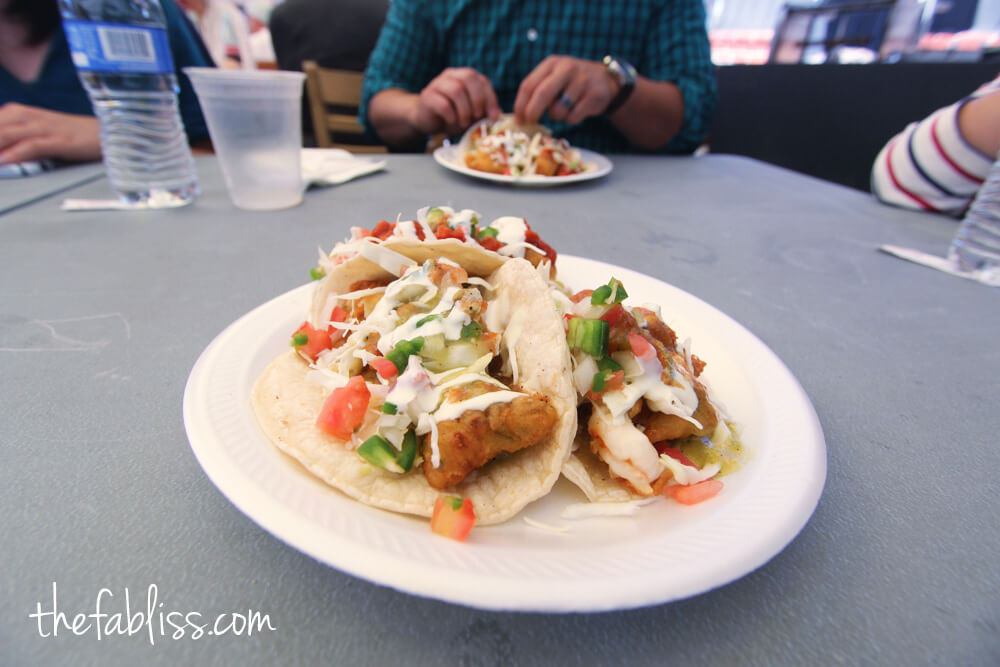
(665, 40)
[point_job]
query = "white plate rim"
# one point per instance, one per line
(448, 157)
(493, 576)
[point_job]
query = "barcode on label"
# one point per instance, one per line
(126, 44)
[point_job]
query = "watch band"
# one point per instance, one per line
(625, 75)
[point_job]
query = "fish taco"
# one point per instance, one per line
(419, 376)
(505, 147)
(441, 231)
(648, 423)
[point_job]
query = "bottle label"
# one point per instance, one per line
(113, 47)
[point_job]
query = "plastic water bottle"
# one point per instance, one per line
(976, 247)
(122, 55)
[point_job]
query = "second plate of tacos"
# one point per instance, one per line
(423, 379)
(505, 151)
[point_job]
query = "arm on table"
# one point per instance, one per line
(450, 103)
(651, 116)
(31, 133)
(938, 163)
(674, 98)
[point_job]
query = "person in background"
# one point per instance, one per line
(939, 163)
(222, 23)
(45, 112)
(611, 75)
(337, 34)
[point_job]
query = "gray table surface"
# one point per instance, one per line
(102, 316)
(18, 192)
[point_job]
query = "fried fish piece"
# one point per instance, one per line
(659, 427)
(478, 436)
(546, 164)
(483, 161)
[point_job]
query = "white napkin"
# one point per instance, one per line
(333, 166)
(989, 277)
(320, 166)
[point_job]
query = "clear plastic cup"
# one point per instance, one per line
(255, 122)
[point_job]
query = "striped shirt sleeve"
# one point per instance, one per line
(929, 165)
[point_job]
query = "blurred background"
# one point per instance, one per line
(814, 86)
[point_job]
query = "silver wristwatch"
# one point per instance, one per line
(625, 75)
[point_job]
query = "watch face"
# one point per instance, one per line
(629, 71)
(625, 75)
(621, 70)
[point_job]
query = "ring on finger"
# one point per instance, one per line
(566, 101)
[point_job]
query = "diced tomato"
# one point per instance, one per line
(674, 453)
(383, 230)
(641, 347)
(614, 314)
(384, 367)
(581, 295)
(446, 232)
(532, 237)
(616, 381)
(338, 314)
(344, 410)
(490, 243)
(316, 341)
(695, 493)
(453, 517)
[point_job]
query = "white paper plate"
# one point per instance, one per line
(595, 165)
(665, 552)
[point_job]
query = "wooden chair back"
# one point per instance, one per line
(334, 98)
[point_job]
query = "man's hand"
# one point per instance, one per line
(570, 89)
(31, 133)
(455, 99)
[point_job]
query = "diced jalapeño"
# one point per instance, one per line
(300, 339)
(435, 217)
(588, 335)
(409, 451)
(377, 451)
(389, 408)
(613, 292)
(608, 364)
(618, 293)
(317, 273)
(600, 295)
(400, 354)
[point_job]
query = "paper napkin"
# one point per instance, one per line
(989, 277)
(333, 166)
